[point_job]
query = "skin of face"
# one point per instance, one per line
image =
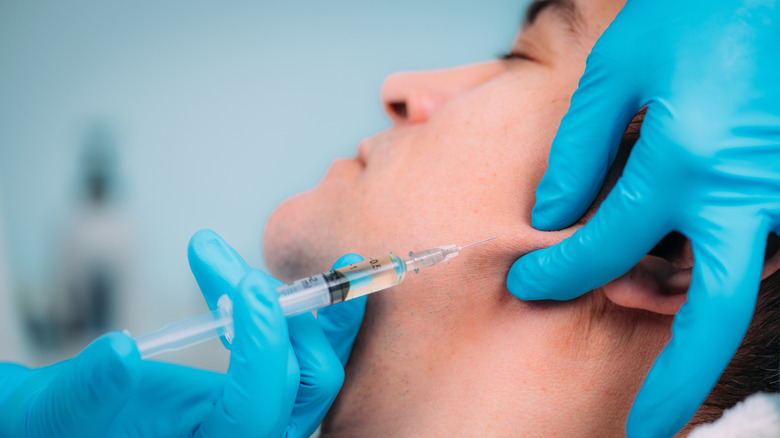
(450, 351)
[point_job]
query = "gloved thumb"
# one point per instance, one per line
(85, 395)
(258, 397)
(217, 268)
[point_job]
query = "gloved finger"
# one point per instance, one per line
(321, 375)
(584, 147)
(341, 321)
(707, 330)
(253, 399)
(625, 228)
(217, 267)
(168, 402)
(87, 392)
(11, 376)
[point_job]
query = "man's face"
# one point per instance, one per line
(461, 163)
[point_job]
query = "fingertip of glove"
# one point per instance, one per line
(115, 361)
(217, 267)
(203, 243)
(121, 343)
(515, 280)
(203, 237)
(546, 216)
(347, 259)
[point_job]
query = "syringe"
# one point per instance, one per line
(300, 296)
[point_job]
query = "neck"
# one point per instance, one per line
(517, 369)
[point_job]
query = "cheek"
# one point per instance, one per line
(488, 149)
(467, 173)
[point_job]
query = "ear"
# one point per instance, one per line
(659, 282)
(653, 285)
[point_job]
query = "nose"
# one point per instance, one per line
(412, 97)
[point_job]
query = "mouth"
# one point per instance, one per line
(362, 153)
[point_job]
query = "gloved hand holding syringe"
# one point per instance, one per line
(300, 296)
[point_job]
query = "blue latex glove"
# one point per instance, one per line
(315, 364)
(281, 381)
(707, 164)
(77, 397)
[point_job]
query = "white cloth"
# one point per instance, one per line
(758, 416)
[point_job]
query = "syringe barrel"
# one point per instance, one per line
(312, 292)
(185, 333)
(296, 297)
(341, 284)
(372, 275)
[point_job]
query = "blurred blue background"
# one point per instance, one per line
(126, 127)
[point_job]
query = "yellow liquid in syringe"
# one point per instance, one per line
(373, 275)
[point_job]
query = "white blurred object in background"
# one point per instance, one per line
(94, 263)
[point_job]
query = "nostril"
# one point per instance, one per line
(398, 109)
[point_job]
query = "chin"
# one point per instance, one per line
(299, 239)
(279, 239)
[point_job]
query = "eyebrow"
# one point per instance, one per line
(565, 10)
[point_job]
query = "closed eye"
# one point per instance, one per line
(515, 56)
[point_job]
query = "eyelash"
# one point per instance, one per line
(512, 56)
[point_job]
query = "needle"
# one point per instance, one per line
(477, 243)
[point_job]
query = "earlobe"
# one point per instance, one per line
(653, 285)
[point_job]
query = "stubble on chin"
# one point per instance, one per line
(296, 245)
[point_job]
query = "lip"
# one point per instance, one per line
(362, 153)
(344, 169)
(360, 160)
